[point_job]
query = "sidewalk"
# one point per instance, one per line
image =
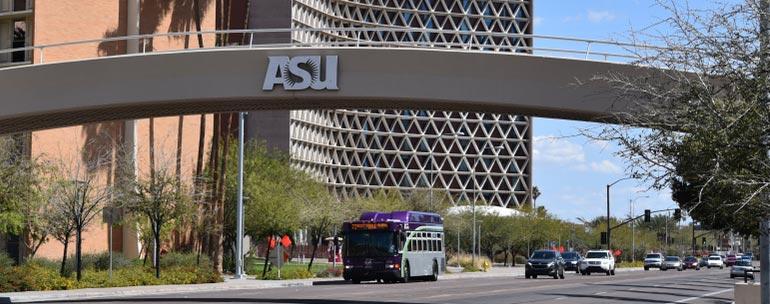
(228, 284)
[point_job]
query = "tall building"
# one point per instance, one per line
(472, 156)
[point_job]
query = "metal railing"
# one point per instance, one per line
(389, 37)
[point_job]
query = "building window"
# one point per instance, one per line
(19, 40)
(19, 5)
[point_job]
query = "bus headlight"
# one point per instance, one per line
(393, 266)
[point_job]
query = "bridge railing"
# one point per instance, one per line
(378, 37)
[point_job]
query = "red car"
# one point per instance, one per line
(690, 262)
(730, 261)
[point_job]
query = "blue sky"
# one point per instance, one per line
(570, 170)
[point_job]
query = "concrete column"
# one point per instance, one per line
(131, 244)
(270, 126)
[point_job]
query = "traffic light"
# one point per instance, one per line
(604, 238)
(677, 214)
(647, 217)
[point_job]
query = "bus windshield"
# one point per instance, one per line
(371, 243)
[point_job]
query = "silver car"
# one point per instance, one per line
(739, 269)
(672, 262)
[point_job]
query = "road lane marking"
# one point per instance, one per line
(703, 296)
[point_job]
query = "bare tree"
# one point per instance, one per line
(61, 227)
(161, 201)
(699, 121)
(80, 194)
(701, 117)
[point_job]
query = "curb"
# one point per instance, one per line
(96, 293)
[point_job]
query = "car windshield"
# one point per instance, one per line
(714, 258)
(743, 263)
(596, 255)
(542, 255)
(363, 243)
(652, 256)
(570, 255)
(672, 259)
(690, 259)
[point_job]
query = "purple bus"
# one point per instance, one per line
(396, 246)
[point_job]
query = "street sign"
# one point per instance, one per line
(286, 241)
(276, 256)
(112, 215)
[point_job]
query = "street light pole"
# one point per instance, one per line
(609, 242)
(633, 226)
(239, 274)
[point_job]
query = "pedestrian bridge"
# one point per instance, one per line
(279, 76)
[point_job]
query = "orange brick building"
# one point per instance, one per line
(44, 22)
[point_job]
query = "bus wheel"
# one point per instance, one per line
(434, 276)
(405, 279)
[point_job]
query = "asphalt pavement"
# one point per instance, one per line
(704, 286)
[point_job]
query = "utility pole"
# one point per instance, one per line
(764, 229)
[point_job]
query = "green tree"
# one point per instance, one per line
(271, 206)
(18, 185)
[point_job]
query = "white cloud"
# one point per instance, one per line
(538, 20)
(600, 16)
(554, 150)
(605, 166)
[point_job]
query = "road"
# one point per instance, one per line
(704, 286)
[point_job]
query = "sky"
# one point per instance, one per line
(570, 170)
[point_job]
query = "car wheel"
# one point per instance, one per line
(588, 273)
(709, 267)
(732, 276)
(646, 268)
(608, 272)
(612, 272)
(561, 275)
(527, 276)
(721, 267)
(354, 281)
(534, 276)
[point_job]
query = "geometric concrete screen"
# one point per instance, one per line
(472, 156)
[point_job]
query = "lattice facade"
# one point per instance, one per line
(472, 156)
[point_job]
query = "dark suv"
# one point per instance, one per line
(545, 262)
(571, 261)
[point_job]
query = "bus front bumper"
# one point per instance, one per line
(363, 274)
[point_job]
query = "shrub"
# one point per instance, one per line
(482, 263)
(520, 260)
(329, 273)
(176, 259)
(289, 274)
(6, 261)
(45, 263)
(31, 276)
